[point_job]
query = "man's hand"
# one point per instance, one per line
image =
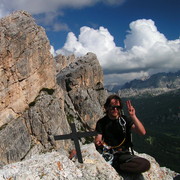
(131, 109)
(137, 126)
(98, 140)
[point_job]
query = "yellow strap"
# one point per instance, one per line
(112, 147)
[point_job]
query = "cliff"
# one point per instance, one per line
(34, 105)
(40, 96)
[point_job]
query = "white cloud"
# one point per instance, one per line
(48, 6)
(146, 51)
(114, 2)
(144, 34)
(60, 27)
(47, 11)
(43, 6)
(3, 10)
(52, 51)
(119, 79)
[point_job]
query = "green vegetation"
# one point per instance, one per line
(161, 117)
(70, 118)
(3, 126)
(49, 91)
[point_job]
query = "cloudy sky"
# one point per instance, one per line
(131, 38)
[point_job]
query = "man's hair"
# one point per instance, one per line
(108, 100)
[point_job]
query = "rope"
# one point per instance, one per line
(113, 147)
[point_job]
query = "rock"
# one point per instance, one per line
(26, 65)
(15, 141)
(63, 61)
(157, 172)
(33, 106)
(82, 82)
(56, 165)
(33, 132)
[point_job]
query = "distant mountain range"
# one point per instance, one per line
(154, 85)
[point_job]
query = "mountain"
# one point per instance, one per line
(57, 165)
(160, 80)
(40, 97)
(154, 85)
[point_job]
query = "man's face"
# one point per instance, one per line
(114, 109)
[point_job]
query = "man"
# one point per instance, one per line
(114, 131)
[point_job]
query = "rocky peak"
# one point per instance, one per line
(33, 106)
(26, 65)
(82, 82)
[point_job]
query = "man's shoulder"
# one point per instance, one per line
(103, 119)
(128, 120)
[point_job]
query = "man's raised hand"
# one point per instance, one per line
(130, 108)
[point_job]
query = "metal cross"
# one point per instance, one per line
(75, 136)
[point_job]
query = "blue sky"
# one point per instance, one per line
(165, 14)
(131, 38)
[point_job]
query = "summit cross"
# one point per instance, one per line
(75, 136)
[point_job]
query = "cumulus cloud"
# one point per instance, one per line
(52, 51)
(146, 51)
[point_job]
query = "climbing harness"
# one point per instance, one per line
(109, 151)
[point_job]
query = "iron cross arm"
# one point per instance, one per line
(75, 136)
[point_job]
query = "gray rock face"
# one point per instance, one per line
(82, 82)
(33, 132)
(15, 141)
(63, 61)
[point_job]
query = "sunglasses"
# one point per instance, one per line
(115, 107)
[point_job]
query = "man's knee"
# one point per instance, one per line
(144, 165)
(136, 165)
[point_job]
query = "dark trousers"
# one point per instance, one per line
(128, 163)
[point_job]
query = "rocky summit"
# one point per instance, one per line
(40, 97)
(56, 165)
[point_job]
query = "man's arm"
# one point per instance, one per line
(137, 126)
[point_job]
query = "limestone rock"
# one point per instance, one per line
(26, 65)
(82, 82)
(63, 61)
(33, 132)
(33, 107)
(56, 165)
(157, 172)
(15, 141)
